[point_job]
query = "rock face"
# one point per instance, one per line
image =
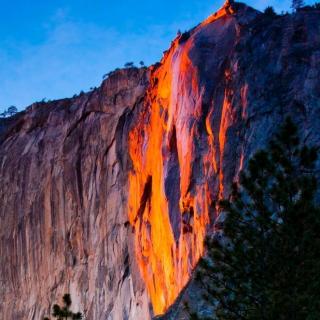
(109, 196)
(268, 71)
(220, 93)
(64, 223)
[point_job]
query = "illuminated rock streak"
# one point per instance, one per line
(176, 155)
(190, 125)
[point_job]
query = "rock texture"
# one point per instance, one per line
(64, 225)
(109, 196)
(221, 91)
(271, 71)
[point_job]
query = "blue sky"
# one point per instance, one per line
(54, 49)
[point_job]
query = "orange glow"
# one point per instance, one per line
(168, 245)
(222, 139)
(224, 11)
(211, 157)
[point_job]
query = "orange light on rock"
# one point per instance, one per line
(170, 230)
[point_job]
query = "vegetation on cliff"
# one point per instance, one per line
(263, 262)
(64, 312)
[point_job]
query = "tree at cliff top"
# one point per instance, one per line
(297, 4)
(9, 113)
(263, 262)
(269, 12)
(64, 313)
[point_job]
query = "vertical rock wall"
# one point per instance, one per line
(64, 225)
(109, 195)
(178, 146)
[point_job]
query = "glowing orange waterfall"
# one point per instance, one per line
(171, 190)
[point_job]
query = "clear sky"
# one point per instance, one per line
(56, 48)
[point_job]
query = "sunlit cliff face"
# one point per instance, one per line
(177, 149)
(189, 125)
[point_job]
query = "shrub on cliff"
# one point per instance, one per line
(297, 4)
(183, 37)
(11, 111)
(129, 65)
(269, 12)
(264, 263)
(64, 312)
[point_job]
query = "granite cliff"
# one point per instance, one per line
(109, 195)
(64, 223)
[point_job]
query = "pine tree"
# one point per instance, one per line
(269, 12)
(12, 111)
(64, 313)
(264, 262)
(297, 4)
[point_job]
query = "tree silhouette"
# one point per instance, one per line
(269, 11)
(64, 312)
(297, 4)
(263, 262)
(12, 110)
(129, 65)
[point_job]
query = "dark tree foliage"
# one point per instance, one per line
(64, 312)
(184, 37)
(269, 11)
(11, 111)
(129, 65)
(317, 5)
(297, 4)
(263, 263)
